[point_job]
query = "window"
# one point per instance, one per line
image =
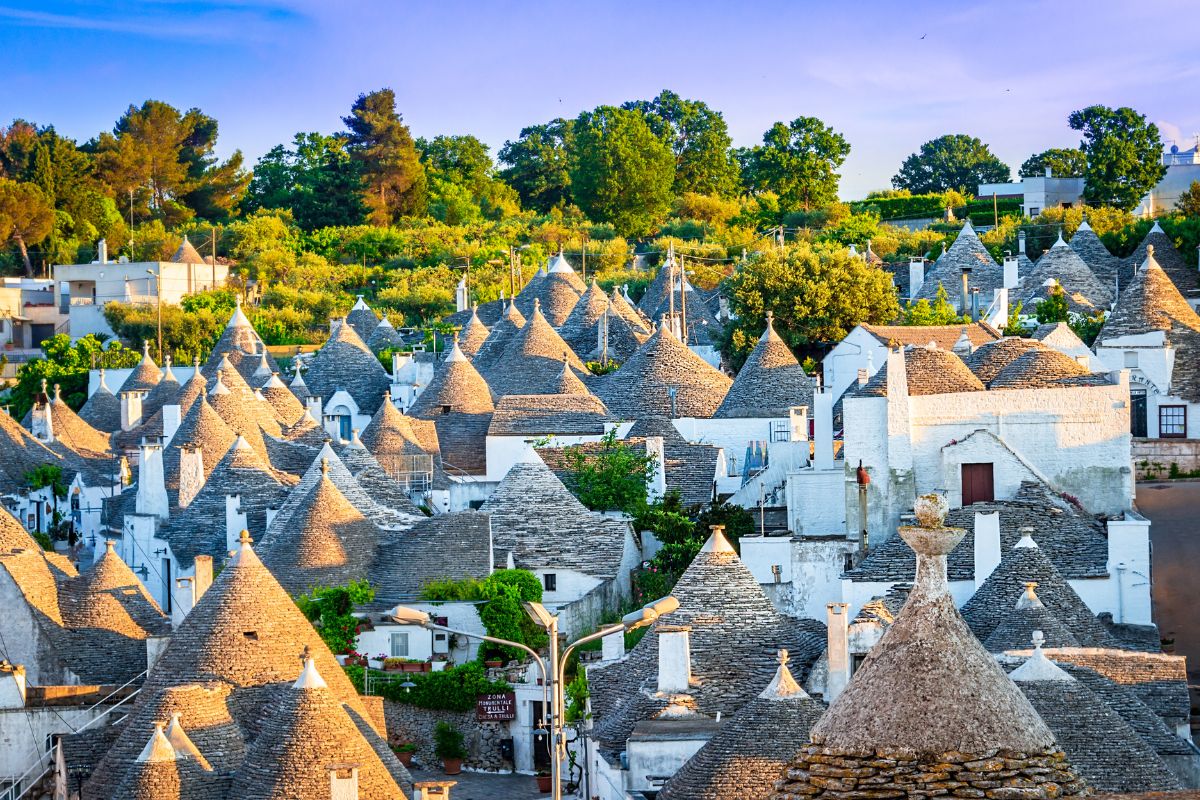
(977, 484)
(550, 582)
(1172, 422)
(1034, 211)
(781, 430)
(1131, 359)
(399, 645)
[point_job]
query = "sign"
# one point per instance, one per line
(499, 707)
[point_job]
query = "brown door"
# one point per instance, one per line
(977, 486)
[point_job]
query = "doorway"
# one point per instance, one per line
(1137, 412)
(977, 484)
(541, 736)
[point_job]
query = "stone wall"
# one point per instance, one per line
(1152, 458)
(818, 772)
(407, 723)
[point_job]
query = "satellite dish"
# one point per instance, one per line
(1174, 148)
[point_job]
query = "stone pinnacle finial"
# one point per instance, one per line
(109, 544)
(195, 362)
(305, 655)
(244, 538)
(57, 392)
(325, 467)
(1149, 251)
(537, 305)
(782, 657)
(1038, 640)
(146, 348)
(45, 389)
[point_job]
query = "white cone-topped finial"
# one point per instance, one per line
(1029, 598)
(1083, 225)
(1026, 538)
(1037, 667)
(309, 677)
(559, 264)
(109, 546)
(717, 543)
(264, 366)
(167, 374)
(274, 382)
(218, 387)
(240, 443)
(244, 540)
(360, 304)
(456, 353)
(1060, 242)
(102, 384)
(770, 329)
(355, 441)
(385, 322)
(1151, 262)
(146, 350)
(968, 227)
(852, 250)
(45, 387)
(324, 467)
(1156, 228)
(239, 318)
(158, 750)
(783, 685)
(181, 743)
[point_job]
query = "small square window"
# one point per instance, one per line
(550, 582)
(1172, 422)
(399, 643)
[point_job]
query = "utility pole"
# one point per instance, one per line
(131, 253)
(683, 299)
(585, 241)
(995, 211)
(512, 269)
(214, 258)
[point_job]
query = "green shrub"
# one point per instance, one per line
(448, 742)
(452, 689)
(330, 609)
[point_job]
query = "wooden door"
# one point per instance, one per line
(977, 484)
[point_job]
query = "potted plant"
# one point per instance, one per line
(412, 665)
(448, 746)
(404, 752)
(493, 660)
(394, 664)
(543, 781)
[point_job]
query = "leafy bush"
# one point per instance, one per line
(330, 609)
(452, 689)
(448, 741)
(501, 612)
(67, 364)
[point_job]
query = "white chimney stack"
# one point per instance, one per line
(183, 600)
(987, 545)
(191, 474)
(1021, 242)
(204, 575)
(461, 301)
(658, 480)
(102, 251)
(131, 409)
(235, 520)
(152, 488)
(838, 649)
(674, 658)
(1012, 275)
(823, 412)
(170, 421)
(916, 276)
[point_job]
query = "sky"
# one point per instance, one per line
(888, 76)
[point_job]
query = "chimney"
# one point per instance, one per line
(916, 276)
(313, 406)
(191, 473)
(863, 376)
(674, 658)
(823, 412)
(235, 520)
(184, 600)
(102, 251)
(612, 647)
(838, 649)
(131, 409)
(966, 291)
(1049, 172)
(12, 686)
(204, 575)
(658, 480)
(271, 514)
(152, 488)
(987, 545)
(41, 418)
(333, 426)
(170, 421)
(461, 302)
(1021, 243)
(1011, 272)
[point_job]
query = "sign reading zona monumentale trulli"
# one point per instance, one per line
(498, 707)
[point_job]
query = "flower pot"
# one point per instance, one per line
(394, 668)
(493, 664)
(452, 766)
(543, 783)
(405, 757)
(341, 658)
(407, 667)
(426, 667)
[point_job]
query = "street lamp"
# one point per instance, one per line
(553, 676)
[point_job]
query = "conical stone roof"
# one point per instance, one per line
(187, 254)
(1060, 264)
(1029, 615)
(995, 598)
(73, 431)
(928, 686)
(385, 335)
(393, 433)
(968, 252)
(1101, 746)
(987, 360)
(155, 774)
(345, 362)
(746, 756)
(624, 339)
(568, 382)
(109, 597)
(456, 384)
(144, 376)
(579, 329)
(240, 345)
(286, 406)
(327, 542)
(200, 427)
(641, 387)
(769, 383)
(305, 733)
(1104, 265)
(556, 293)
(362, 319)
(473, 334)
(1168, 257)
(165, 392)
(626, 311)
(501, 335)
(102, 410)
(531, 362)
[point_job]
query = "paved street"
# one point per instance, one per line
(484, 786)
(1174, 509)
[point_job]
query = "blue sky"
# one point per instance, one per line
(1008, 72)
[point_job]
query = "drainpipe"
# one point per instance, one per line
(1121, 592)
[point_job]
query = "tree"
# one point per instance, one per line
(26, 217)
(315, 179)
(939, 312)
(462, 186)
(166, 158)
(699, 138)
(954, 161)
(613, 478)
(1189, 201)
(799, 162)
(1063, 163)
(621, 172)
(67, 364)
(538, 164)
(393, 179)
(818, 296)
(1124, 155)
(1053, 308)
(1013, 325)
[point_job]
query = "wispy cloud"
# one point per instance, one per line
(230, 20)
